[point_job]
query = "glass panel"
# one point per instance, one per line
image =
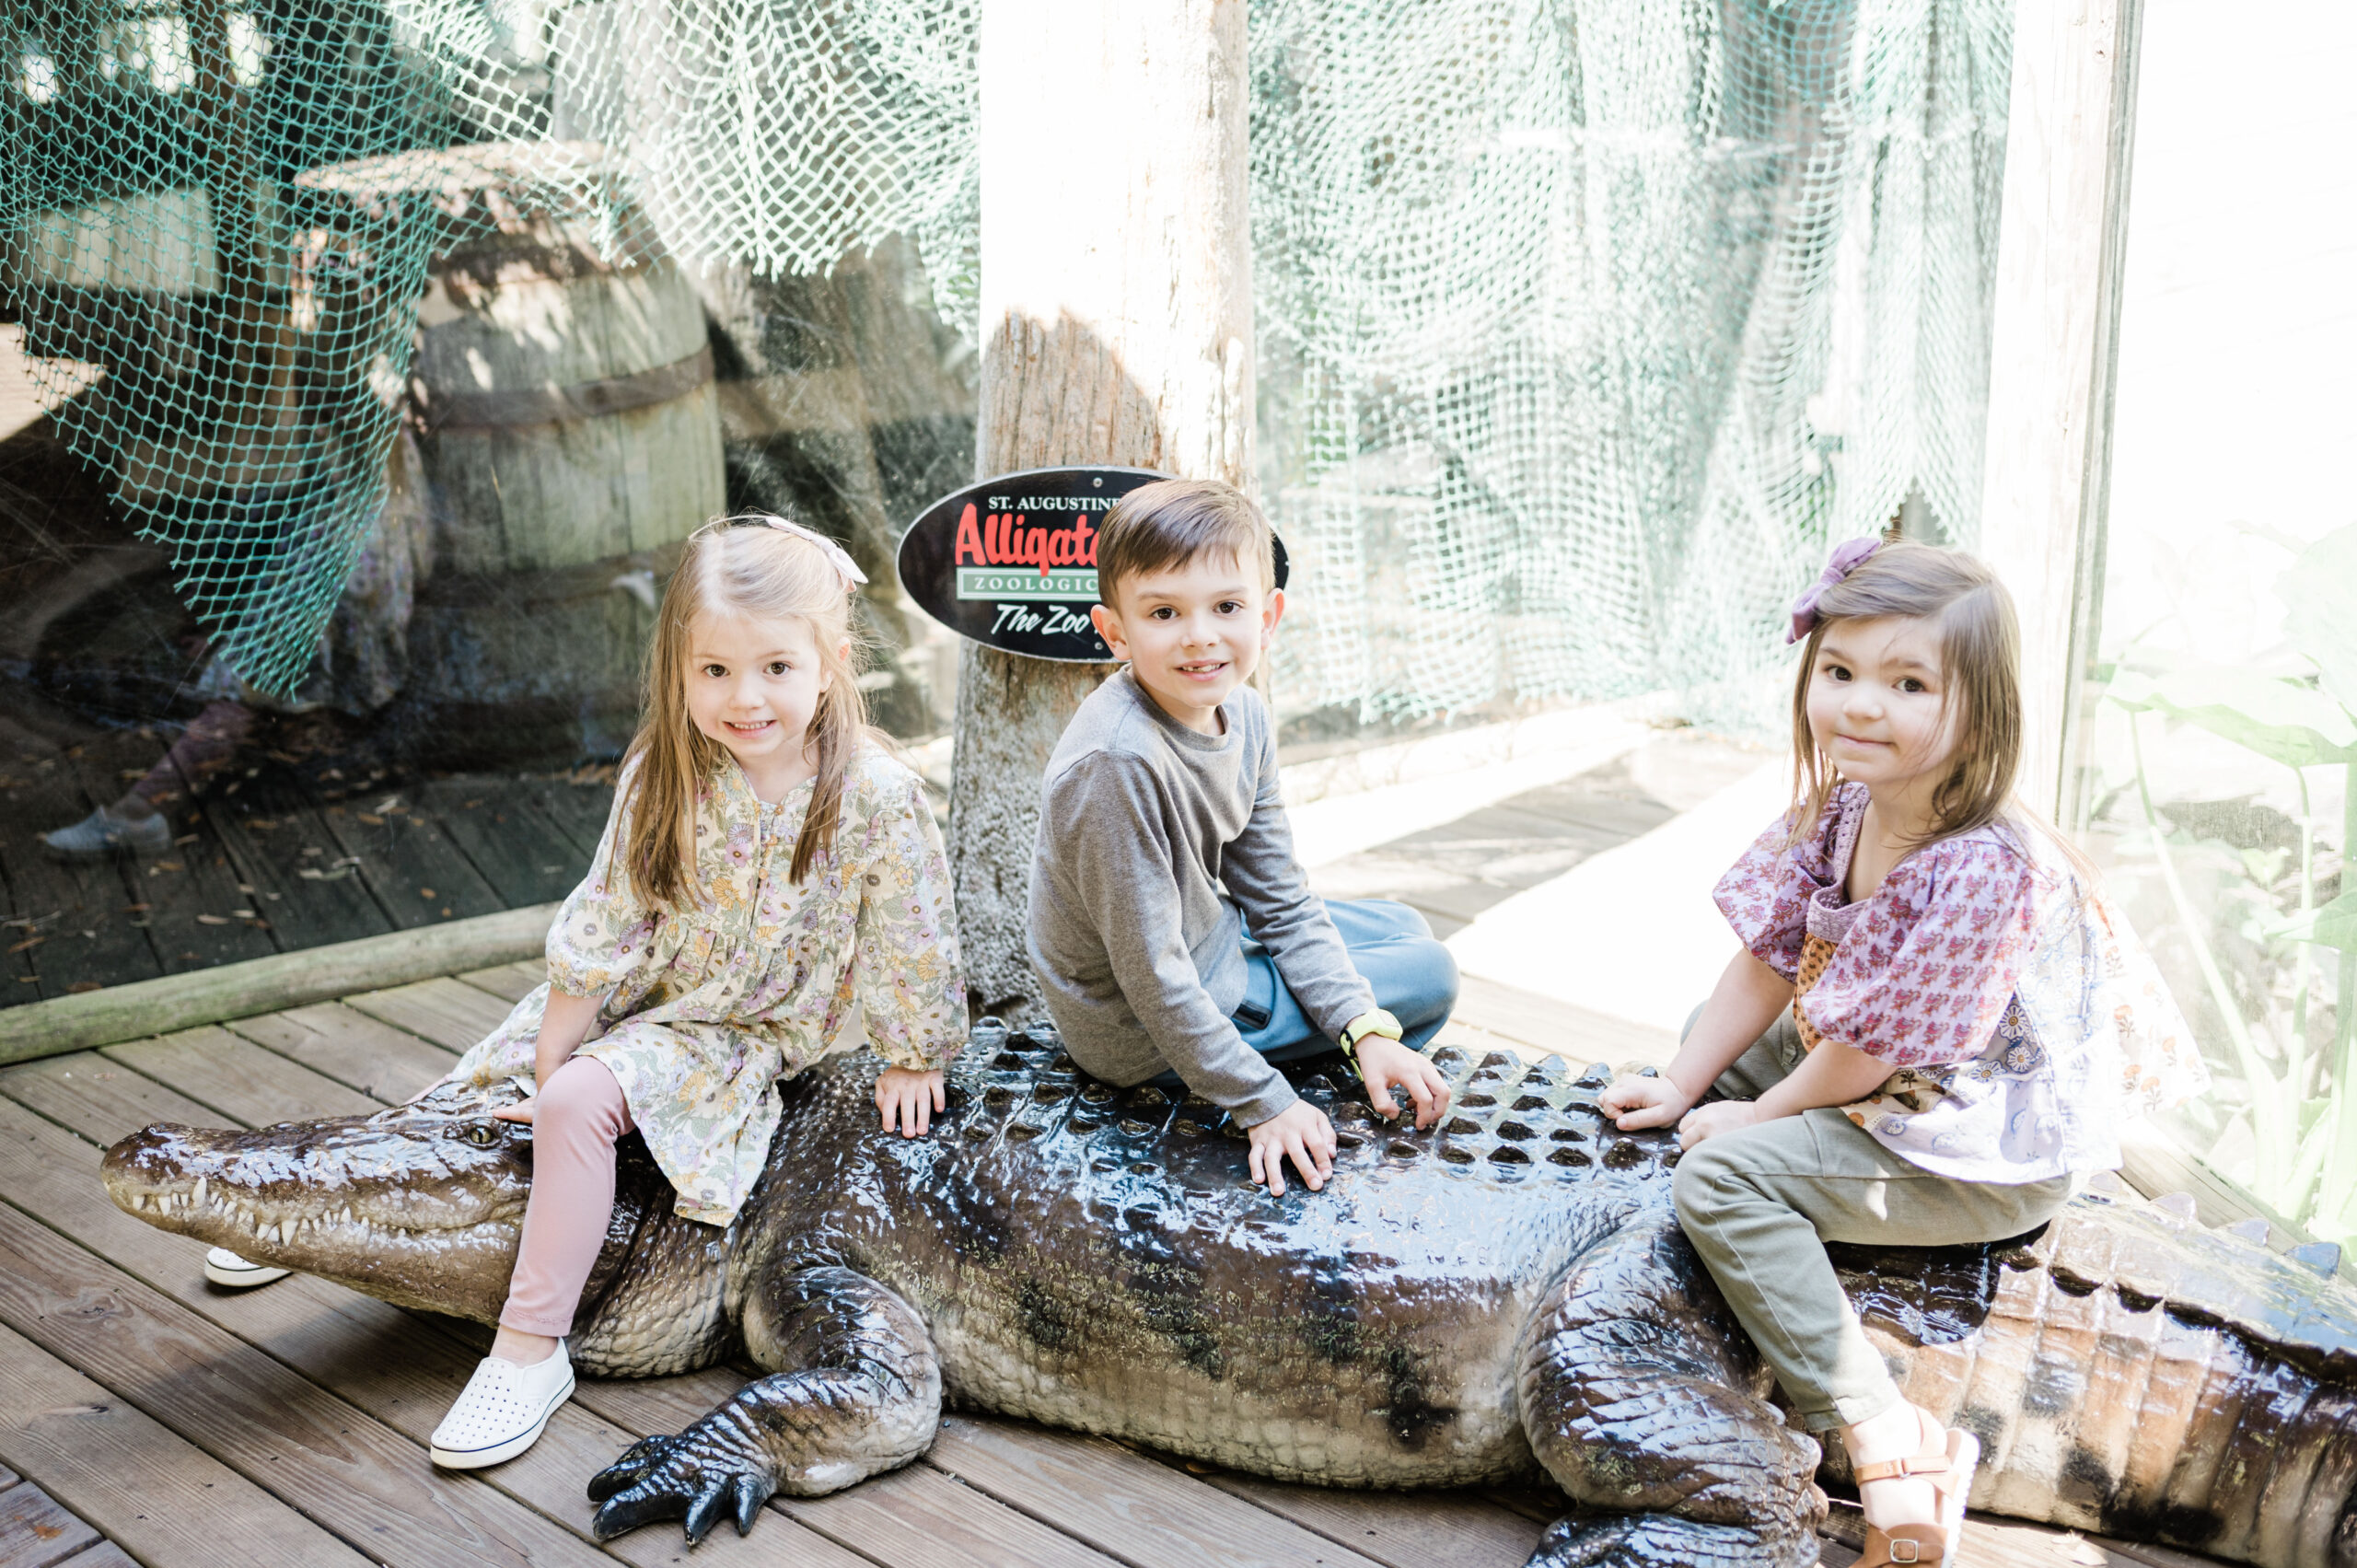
(2223, 747)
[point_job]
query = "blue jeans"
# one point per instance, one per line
(1413, 976)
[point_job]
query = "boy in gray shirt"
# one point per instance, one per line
(1173, 933)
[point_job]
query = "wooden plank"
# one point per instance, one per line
(266, 985)
(8, 1478)
(18, 983)
(351, 1048)
(919, 1518)
(169, 1502)
(1124, 1503)
(1573, 1033)
(36, 1532)
(500, 827)
(313, 1450)
(445, 1011)
(238, 1078)
(414, 871)
(273, 836)
(510, 982)
(193, 896)
(1993, 1542)
(103, 1100)
(580, 808)
(87, 934)
(106, 1554)
(1402, 1529)
(2062, 234)
(394, 1366)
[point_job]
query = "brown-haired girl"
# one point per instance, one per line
(768, 866)
(1935, 1025)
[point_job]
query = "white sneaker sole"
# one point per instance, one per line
(243, 1278)
(499, 1453)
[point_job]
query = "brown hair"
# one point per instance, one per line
(1980, 658)
(1170, 522)
(764, 574)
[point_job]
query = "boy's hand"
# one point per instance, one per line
(1720, 1116)
(1384, 1062)
(909, 1096)
(1636, 1103)
(1301, 1132)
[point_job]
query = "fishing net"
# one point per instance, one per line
(1583, 327)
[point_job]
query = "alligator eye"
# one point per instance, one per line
(483, 1134)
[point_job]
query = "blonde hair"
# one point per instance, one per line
(1980, 659)
(764, 574)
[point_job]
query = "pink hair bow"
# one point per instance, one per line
(1848, 556)
(836, 555)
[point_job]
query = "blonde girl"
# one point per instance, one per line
(769, 866)
(1934, 1025)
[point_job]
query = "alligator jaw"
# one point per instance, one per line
(421, 1204)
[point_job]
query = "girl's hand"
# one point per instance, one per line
(910, 1098)
(1720, 1116)
(520, 1112)
(1636, 1103)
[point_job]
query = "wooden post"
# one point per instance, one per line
(1116, 327)
(2062, 231)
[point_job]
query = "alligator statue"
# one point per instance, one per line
(1502, 1294)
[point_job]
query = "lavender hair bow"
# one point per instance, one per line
(1848, 556)
(835, 553)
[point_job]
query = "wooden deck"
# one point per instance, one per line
(151, 1414)
(266, 861)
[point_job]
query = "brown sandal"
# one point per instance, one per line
(1947, 1460)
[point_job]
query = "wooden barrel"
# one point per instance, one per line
(571, 441)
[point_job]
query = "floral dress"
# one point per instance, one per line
(705, 1011)
(2021, 1018)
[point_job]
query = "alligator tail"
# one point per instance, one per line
(2139, 1375)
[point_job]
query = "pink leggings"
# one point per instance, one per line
(578, 1114)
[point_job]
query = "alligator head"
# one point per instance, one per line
(422, 1205)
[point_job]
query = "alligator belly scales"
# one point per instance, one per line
(1503, 1294)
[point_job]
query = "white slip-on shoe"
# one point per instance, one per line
(224, 1267)
(502, 1412)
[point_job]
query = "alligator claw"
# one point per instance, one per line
(623, 1473)
(700, 1477)
(752, 1491)
(707, 1509)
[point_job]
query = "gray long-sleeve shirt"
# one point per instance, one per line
(1157, 846)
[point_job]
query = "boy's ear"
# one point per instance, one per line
(1109, 626)
(1272, 609)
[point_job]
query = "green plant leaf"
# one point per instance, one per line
(2284, 720)
(2334, 926)
(2320, 602)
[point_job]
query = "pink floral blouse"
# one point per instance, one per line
(2019, 1014)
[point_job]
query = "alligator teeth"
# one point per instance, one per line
(197, 1195)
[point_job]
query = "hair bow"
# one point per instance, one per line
(835, 553)
(1848, 556)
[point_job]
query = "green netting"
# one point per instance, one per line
(1583, 327)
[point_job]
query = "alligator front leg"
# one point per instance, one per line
(855, 1390)
(1640, 1398)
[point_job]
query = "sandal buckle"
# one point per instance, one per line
(1906, 1551)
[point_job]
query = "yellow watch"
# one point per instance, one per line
(1373, 1021)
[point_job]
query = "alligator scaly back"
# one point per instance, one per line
(2132, 1372)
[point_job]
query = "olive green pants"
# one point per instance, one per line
(1760, 1203)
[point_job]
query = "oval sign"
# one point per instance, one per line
(1012, 562)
